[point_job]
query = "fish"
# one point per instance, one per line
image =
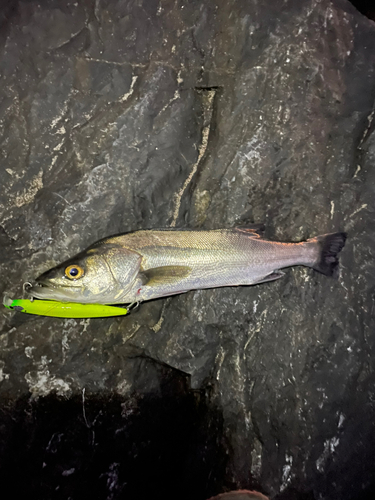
(148, 264)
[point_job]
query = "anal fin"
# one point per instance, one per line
(270, 277)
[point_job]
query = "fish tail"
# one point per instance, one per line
(330, 245)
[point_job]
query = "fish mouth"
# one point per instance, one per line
(46, 290)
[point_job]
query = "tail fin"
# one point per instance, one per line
(330, 247)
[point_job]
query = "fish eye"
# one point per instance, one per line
(74, 272)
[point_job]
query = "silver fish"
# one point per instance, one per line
(148, 264)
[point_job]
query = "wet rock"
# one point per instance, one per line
(118, 116)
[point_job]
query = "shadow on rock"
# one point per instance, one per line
(112, 447)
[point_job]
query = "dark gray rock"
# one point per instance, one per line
(117, 116)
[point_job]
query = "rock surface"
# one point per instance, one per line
(117, 116)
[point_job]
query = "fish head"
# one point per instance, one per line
(102, 274)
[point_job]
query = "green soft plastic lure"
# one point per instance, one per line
(63, 309)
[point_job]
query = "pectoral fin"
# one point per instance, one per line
(164, 275)
(270, 277)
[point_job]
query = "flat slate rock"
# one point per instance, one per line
(117, 116)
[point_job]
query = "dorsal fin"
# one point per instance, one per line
(253, 228)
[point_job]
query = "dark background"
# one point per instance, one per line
(366, 7)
